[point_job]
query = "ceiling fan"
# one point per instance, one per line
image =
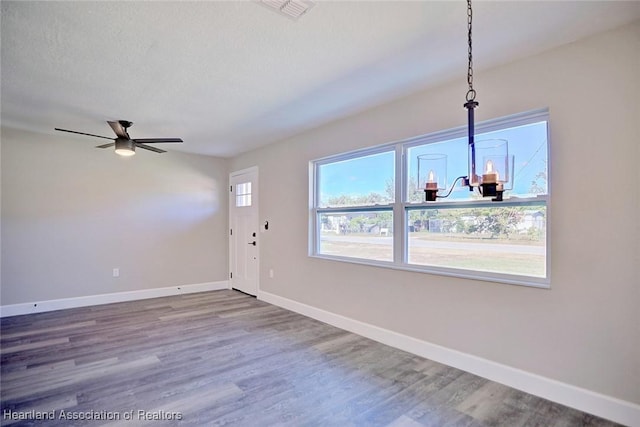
(125, 146)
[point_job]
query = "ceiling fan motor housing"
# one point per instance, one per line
(125, 146)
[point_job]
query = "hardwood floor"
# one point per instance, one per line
(224, 358)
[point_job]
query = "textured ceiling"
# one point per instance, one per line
(229, 76)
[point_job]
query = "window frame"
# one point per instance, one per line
(316, 210)
(401, 206)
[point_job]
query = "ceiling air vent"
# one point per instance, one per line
(293, 9)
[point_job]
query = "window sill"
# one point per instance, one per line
(534, 282)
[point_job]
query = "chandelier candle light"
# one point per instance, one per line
(490, 157)
(432, 169)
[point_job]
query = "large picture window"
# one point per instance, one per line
(369, 207)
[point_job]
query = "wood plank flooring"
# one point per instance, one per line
(226, 359)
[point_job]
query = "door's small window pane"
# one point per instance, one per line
(243, 194)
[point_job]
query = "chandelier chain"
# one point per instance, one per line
(471, 93)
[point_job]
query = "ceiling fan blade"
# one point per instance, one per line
(119, 130)
(150, 148)
(157, 140)
(106, 145)
(82, 133)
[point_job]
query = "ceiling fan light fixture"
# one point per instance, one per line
(125, 147)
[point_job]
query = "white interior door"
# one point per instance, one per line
(244, 247)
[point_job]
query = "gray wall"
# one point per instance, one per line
(585, 331)
(71, 213)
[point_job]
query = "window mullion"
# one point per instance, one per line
(399, 225)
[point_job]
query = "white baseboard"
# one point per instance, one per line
(601, 405)
(60, 304)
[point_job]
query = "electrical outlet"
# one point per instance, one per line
(116, 272)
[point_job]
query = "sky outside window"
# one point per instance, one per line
(362, 181)
(353, 182)
(527, 143)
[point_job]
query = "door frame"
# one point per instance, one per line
(255, 199)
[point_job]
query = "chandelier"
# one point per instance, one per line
(489, 160)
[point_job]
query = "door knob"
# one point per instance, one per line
(252, 243)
